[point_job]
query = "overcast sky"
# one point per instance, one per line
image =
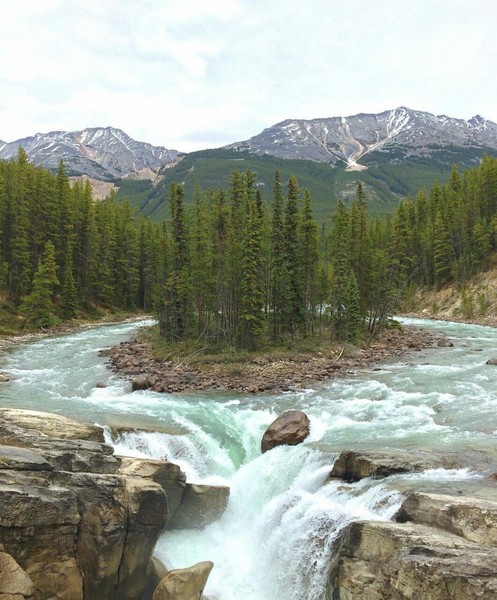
(192, 74)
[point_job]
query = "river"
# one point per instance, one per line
(274, 541)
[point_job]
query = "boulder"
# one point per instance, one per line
(492, 361)
(156, 571)
(140, 382)
(14, 582)
(184, 584)
(444, 343)
(200, 506)
(4, 378)
(290, 428)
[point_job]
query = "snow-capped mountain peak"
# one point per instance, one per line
(348, 139)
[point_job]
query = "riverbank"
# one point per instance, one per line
(67, 328)
(257, 372)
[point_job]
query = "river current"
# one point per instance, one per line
(275, 539)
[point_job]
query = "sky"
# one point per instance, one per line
(194, 74)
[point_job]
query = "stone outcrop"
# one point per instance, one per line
(79, 522)
(290, 428)
(53, 426)
(77, 527)
(168, 475)
(444, 549)
(353, 466)
(184, 584)
(200, 506)
(473, 519)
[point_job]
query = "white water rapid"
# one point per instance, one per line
(275, 540)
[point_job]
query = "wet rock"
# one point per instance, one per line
(140, 382)
(100, 385)
(444, 343)
(4, 378)
(184, 584)
(353, 466)
(290, 428)
(492, 361)
(200, 506)
(15, 583)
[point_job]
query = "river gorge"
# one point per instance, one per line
(275, 540)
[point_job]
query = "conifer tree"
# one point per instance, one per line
(252, 286)
(175, 311)
(278, 275)
(293, 312)
(308, 232)
(38, 306)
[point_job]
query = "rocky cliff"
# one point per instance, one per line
(77, 522)
(440, 547)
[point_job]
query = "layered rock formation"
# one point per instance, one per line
(80, 523)
(441, 547)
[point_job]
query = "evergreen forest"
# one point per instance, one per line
(231, 268)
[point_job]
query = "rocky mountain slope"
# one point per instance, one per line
(347, 139)
(104, 153)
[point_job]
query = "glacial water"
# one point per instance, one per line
(275, 540)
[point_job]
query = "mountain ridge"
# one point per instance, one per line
(348, 139)
(104, 153)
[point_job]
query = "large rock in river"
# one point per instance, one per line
(290, 428)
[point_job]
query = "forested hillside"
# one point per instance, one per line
(62, 255)
(389, 177)
(232, 267)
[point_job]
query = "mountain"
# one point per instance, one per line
(104, 153)
(393, 154)
(346, 140)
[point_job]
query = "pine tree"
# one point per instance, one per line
(293, 309)
(252, 286)
(308, 233)
(278, 276)
(443, 253)
(38, 306)
(175, 316)
(353, 320)
(339, 245)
